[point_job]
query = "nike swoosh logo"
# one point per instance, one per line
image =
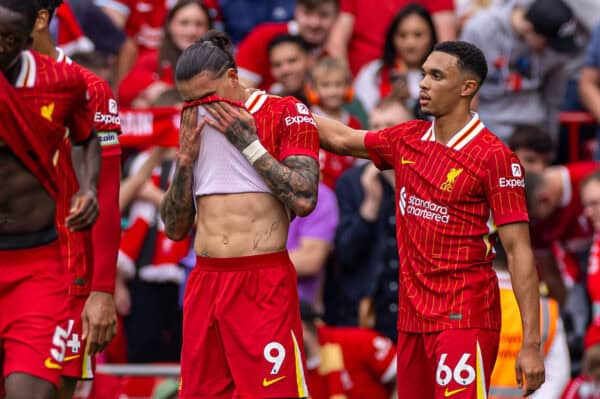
(50, 364)
(267, 383)
(406, 161)
(69, 358)
(448, 393)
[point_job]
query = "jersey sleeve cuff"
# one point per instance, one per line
(508, 218)
(370, 144)
(293, 152)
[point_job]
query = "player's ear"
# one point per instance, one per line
(469, 88)
(232, 76)
(41, 22)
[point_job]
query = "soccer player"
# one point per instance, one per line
(456, 185)
(242, 335)
(38, 99)
(92, 314)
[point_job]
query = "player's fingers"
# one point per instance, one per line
(85, 326)
(519, 374)
(220, 113)
(217, 125)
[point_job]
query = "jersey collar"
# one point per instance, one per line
(28, 71)
(256, 101)
(463, 137)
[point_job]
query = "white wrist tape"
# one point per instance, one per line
(254, 151)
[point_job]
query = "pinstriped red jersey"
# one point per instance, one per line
(450, 200)
(59, 94)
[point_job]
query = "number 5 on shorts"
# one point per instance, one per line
(274, 353)
(463, 374)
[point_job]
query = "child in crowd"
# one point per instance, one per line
(329, 89)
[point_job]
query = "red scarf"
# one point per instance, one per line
(385, 83)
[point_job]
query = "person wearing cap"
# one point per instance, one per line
(528, 50)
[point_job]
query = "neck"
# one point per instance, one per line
(43, 44)
(516, 19)
(448, 125)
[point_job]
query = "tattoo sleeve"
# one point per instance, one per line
(294, 181)
(177, 208)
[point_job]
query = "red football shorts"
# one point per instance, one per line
(77, 363)
(242, 335)
(453, 364)
(33, 295)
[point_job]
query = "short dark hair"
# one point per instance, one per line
(531, 137)
(27, 8)
(470, 57)
(389, 48)
(313, 4)
(211, 53)
(50, 6)
(287, 38)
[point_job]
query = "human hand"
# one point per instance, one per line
(99, 321)
(236, 123)
(84, 210)
(189, 136)
(122, 297)
(373, 191)
(529, 368)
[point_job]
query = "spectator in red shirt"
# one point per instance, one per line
(152, 73)
(346, 362)
(313, 20)
(587, 385)
(409, 40)
(329, 89)
(359, 32)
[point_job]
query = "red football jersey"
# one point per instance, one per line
(368, 360)
(59, 94)
(450, 198)
(593, 276)
(284, 125)
(106, 232)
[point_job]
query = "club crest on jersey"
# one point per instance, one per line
(302, 109)
(448, 185)
(46, 111)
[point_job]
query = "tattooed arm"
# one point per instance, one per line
(177, 208)
(294, 181)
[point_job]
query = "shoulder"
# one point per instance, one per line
(484, 23)
(98, 87)
(413, 128)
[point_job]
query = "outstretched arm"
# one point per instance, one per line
(177, 208)
(336, 137)
(294, 181)
(530, 363)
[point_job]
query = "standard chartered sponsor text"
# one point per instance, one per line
(425, 209)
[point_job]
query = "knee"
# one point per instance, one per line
(25, 386)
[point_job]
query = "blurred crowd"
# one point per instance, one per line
(359, 61)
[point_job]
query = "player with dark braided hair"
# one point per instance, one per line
(91, 311)
(457, 185)
(43, 110)
(242, 336)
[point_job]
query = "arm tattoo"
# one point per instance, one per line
(177, 208)
(240, 134)
(294, 182)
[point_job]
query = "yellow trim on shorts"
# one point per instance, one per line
(481, 389)
(86, 363)
(300, 380)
